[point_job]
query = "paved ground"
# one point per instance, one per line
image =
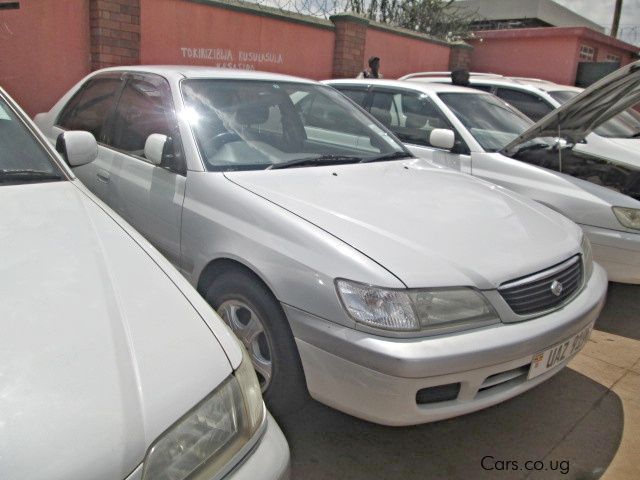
(584, 422)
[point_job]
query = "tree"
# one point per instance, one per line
(438, 18)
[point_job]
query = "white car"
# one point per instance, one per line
(617, 139)
(478, 133)
(111, 365)
(387, 286)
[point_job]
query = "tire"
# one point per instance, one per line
(242, 300)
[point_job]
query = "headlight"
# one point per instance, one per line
(414, 310)
(587, 257)
(628, 217)
(207, 437)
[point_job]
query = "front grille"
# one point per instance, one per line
(534, 293)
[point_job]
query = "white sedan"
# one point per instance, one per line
(387, 286)
(111, 365)
(480, 134)
(616, 139)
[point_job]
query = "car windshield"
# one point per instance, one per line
(491, 121)
(22, 158)
(624, 125)
(251, 125)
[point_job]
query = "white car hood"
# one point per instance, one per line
(100, 351)
(578, 117)
(429, 226)
(622, 151)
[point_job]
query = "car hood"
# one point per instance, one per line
(621, 151)
(100, 352)
(576, 118)
(428, 225)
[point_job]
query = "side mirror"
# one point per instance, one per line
(77, 147)
(154, 148)
(442, 138)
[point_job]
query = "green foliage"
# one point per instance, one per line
(439, 18)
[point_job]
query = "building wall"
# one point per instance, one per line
(547, 53)
(194, 33)
(400, 54)
(44, 50)
(553, 59)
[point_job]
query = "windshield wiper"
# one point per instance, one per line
(387, 156)
(534, 146)
(635, 135)
(315, 161)
(27, 175)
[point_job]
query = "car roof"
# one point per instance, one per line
(193, 71)
(410, 84)
(523, 83)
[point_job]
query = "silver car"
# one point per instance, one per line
(616, 139)
(111, 365)
(480, 134)
(384, 285)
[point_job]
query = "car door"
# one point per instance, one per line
(412, 116)
(90, 109)
(148, 196)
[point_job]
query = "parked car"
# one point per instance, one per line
(389, 287)
(479, 134)
(112, 366)
(617, 139)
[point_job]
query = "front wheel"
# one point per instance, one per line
(248, 307)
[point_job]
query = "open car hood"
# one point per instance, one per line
(578, 117)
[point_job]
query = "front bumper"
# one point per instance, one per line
(269, 458)
(377, 378)
(617, 252)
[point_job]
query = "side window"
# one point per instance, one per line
(357, 96)
(144, 108)
(89, 108)
(412, 117)
(319, 111)
(531, 105)
(385, 109)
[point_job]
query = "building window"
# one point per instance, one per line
(612, 58)
(587, 54)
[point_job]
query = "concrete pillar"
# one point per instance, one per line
(115, 32)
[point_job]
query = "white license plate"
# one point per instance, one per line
(554, 356)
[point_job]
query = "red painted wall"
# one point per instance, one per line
(169, 26)
(553, 59)
(400, 54)
(44, 50)
(547, 53)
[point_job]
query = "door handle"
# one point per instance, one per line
(103, 176)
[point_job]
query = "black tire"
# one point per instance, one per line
(286, 391)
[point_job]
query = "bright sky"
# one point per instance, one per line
(601, 12)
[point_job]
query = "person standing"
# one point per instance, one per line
(460, 77)
(373, 71)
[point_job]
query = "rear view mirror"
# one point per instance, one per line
(154, 148)
(442, 138)
(77, 147)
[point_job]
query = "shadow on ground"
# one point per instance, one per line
(568, 418)
(620, 313)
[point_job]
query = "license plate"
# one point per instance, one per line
(554, 356)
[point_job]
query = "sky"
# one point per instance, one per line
(601, 12)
